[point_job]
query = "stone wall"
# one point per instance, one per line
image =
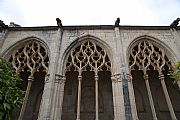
(116, 41)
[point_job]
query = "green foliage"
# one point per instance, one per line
(175, 72)
(10, 94)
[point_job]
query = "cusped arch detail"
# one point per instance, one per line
(157, 43)
(30, 54)
(7, 52)
(83, 39)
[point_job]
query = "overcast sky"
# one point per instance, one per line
(89, 12)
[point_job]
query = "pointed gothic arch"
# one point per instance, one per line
(160, 44)
(78, 41)
(30, 59)
(149, 63)
(86, 62)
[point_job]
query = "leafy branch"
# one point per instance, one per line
(11, 96)
(175, 72)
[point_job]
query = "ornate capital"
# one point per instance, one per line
(47, 78)
(79, 77)
(146, 77)
(96, 78)
(129, 77)
(31, 78)
(59, 79)
(161, 77)
(116, 78)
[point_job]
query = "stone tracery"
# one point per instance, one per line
(88, 56)
(31, 58)
(145, 56)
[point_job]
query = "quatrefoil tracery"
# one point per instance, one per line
(88, 54)
(145, 54)
(32, 57)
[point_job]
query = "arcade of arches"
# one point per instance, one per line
(88, 90)
(155, 94)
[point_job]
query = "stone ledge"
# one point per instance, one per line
(90, 27)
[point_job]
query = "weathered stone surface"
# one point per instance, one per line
(116, 41)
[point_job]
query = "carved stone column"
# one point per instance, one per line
(79, 97)
(23, 108)
(118, 97)
(150, 97)
(173, 116)
(132, 97)
(96, 98)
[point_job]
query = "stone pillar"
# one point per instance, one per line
(132, 97)
(79, 98)
(168, 101)
(23, 108)
(150, 97)
(60, 82)
(118, 99)
(127, 103)
(96, 97)
(48, 103)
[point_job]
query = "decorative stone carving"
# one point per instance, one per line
(175, 23)
(59, 23)
(88, 54)
(59, 79)
(116, 78)
(2, 26)
(129, 77)
(47, 78)
(117, 22)
(145, 54)
(31, 57)
(12, 24)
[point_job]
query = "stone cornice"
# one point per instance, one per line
(90, 27)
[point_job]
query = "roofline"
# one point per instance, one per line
(90, 27)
